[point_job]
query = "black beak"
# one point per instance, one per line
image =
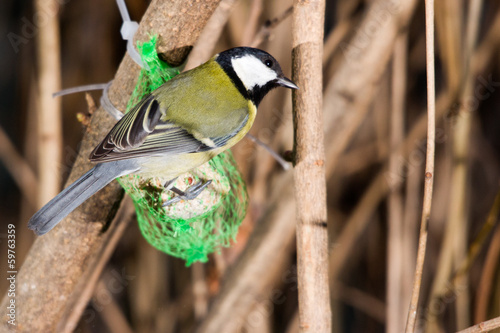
(287, 83)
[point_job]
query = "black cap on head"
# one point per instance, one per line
(254, 79)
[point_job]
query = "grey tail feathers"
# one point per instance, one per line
(72, 197)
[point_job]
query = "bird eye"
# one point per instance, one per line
(268, 63)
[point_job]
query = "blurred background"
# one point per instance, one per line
(375, 146)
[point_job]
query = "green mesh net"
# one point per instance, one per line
(191, 229)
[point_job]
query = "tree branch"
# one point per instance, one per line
(309, 172)
(429, 164)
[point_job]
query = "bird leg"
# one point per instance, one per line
(189, 194)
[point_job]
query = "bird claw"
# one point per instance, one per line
(189, 194)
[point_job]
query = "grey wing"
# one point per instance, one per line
(130, 131)
(141, 132)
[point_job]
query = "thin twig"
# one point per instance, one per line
(112, 315)
(395, 244)
(449, 21)
(18, 168)
(429, 164)
(335, 37)
(121, 221)
(360, 158)
(474, 248)
(204, 47)
(49, 110)
(309, 171)
(484, 292)
(200, 290)
(265, 30)
(412, 207)
(483, 327)
(363, 301)
(284, 164)
(251, 25)
(454, 246)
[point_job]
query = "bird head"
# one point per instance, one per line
(253, 71)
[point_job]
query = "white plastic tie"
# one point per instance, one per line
(78, 89)
(108, 106)
(128, 30)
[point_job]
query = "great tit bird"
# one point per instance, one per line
(179, 126)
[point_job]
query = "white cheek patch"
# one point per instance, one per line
(252, 72)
